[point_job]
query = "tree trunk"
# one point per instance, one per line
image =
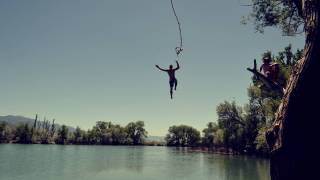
(293, 139)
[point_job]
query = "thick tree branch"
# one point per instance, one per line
(268, 82)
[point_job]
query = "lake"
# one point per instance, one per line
(52, 162)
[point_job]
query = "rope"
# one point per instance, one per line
(177, 49)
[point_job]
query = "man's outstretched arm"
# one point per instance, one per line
(160, 68)
(178, 66)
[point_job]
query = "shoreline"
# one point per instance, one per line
(219, 151)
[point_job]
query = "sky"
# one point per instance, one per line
(81, 61)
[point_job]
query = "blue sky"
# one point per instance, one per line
(82, 61)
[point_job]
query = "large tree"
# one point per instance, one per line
(231, 121)
(182, 135)
(63, 134)
(293, 135)
(210, 135)
(23, 134)
(136, 132)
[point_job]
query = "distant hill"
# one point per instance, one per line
(155, 138)
(16, 120)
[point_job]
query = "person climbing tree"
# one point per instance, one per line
(270, 70)
(172, 78)
(266, 66)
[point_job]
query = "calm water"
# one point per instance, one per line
(52, 162)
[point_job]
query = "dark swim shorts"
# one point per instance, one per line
(172, 82)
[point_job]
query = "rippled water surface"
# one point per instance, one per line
(52, 162)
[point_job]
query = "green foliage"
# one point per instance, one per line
(120, 135)
(210, 135)
(282, 14)
(219, 137)
(253, 119)
(229, 115)
(242, 129)
(62, 135)
(103, 133)
(42, 131)
(4, 132)
(92, 136)
(231, 121)
(78, 136)
(260, 141)
(263, 102)
(23, 134)
(136, 132)
(106, 133)
(182, 135)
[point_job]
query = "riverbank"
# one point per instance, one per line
(199, 149)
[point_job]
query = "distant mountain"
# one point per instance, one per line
(16, 120)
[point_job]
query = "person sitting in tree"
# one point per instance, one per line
(270, 70)
(172, 78)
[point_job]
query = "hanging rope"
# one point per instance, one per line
(177, 49)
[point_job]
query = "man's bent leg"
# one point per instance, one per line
(175, 84)
(171, 88)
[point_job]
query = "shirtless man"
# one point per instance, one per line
(172, 79)
(270, 70)
(266, 66)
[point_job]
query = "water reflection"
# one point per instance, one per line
(134, 158)
(231, 167)
(185, 162)
(51, 162)
(181, 163)
(109, 158)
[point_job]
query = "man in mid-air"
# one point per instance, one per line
(172, 79)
